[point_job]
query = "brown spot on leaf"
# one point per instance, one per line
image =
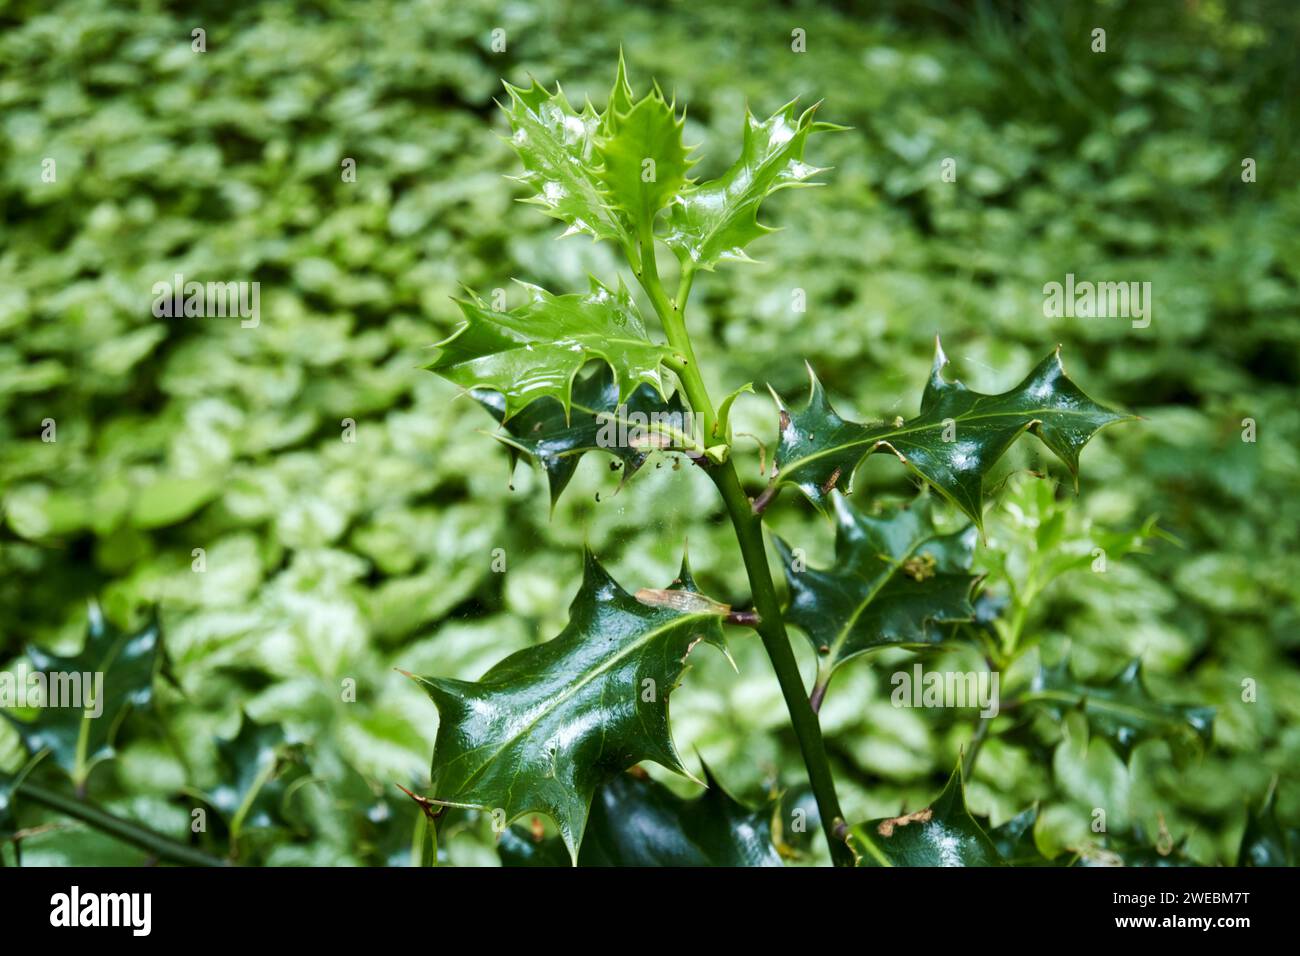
(886, 827)
(830, 482)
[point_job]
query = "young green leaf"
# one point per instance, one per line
(558, 148)
(714, 221)
(638, 822)
(643, 163)
(895, 580)
(1121, 709)
(953, 443)
(943, 834)
(541, 730)
(598, 421)
(536, 350)
(115, 671)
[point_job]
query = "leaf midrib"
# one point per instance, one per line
(886, 576)
(884, 436)
(572, 689)
(1093, 701)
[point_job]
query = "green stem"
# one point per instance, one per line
(976, 742)
(749, 535)
(424, 842)
(807, 729)
(164, 848)
(237, 822)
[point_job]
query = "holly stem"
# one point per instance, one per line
(162, 847)
(749, 535)
(807, 729)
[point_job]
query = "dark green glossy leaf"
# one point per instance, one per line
(542, 432)
(126, 662)
(257, 766)
(517, 846)
(1265, 842)
(536, 351)
(894, 581)
(714, 221)
(1121, 709)
(796, 822)
(942, 834)
(818, 449)
(543, 728)
(638, 822)
(1015, 841)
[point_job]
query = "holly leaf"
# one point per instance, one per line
(1015, 843)
(1264, 842)
(257, 766)
(952, 444)
(1134, 849)
(796, 822)
(714, 221)
(541, 729)
(557, 146)
(638, 822)
(644, 164)
(1121, 709)
(112, 675)
(942, 834)
(536, 350)
(895, 580)
(598, 420)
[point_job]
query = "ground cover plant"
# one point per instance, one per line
(651, 469)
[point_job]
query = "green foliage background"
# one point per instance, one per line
(327, 560)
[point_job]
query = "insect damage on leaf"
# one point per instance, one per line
(952, 443)
(886, 827)
(942, 834)
(545, 726)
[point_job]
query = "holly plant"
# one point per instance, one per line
(550, 730)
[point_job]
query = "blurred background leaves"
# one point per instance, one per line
(328, 561)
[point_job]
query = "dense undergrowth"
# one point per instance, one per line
(329, 561)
